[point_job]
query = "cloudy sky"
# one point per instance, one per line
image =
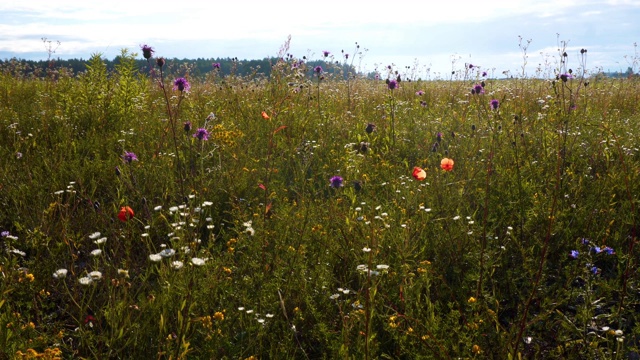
(402, 32)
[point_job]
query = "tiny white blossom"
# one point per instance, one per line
(366, 249)
(334, 296)
(85, 280)
(382, 267)
(197, 261)
(155, 257)
(96, 252)
(102, 240)
(456, 217)
(94, 236)
(95, 275)
(177, 264)
(167, 252)
(157, 208)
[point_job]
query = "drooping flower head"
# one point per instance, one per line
(494, 104)
(446, 164)
(392, 84)
(336, 182)
(125, 214)
(147, 51)
(181, 84)
(201, 134)
(128, 157)
(419, 173)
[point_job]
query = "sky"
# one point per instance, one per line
(432, 40)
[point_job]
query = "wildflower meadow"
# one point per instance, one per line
(317, 213)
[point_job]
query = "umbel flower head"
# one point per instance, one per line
(147, 51)
(181, 84)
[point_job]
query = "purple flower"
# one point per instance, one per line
(574, 254)
(594, 270)
(160, 62)
(470, 66)
(216, 66)
(147, 51)
(318, 69)
(484, 73)
(336, 182)
(346, 56)
(201, 134)
(370, 128)
(596, 249)
(477, 89)
(423, 103)
(181, 84)
(129, 157)
(608, 250)
(494, 104)
(392, 84)
(565, 77)
(18, 155)
(439, 136)
(419, 92)
(4, 234)
(187, 126)
(326, 53)
(584, 241)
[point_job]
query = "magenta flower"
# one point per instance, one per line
(128, 157)
(318, 69)
(201, 134)
(419, 92)
(392, 84)
(336, 182)
(147, 51)
(477, 89)
(494, 104)
(181, 84)
(216, 66)
(326, 53)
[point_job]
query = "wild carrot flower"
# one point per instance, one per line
(129, 157)
(336, 182)
(446, 164)
(181, 84)
(201, 134)
(147, 51)
(494, 104)
(419, 173)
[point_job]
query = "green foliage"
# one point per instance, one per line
(239, 247)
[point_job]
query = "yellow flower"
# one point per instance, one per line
(218, 316)
(476, 349)
(471, 300)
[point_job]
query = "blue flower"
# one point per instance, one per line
(574, 254)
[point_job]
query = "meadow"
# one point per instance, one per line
(315, 215)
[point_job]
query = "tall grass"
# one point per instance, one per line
(240, 247)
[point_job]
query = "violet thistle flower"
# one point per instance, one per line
(187, 126)
(147, 51)
(160, 62)
(326, 53)
(216, 66)
(494, 104)
(201, 134)
(392, 84)
(419, 92)
(181, 84)
(318, 69)
(128, 157)
(484, 74)
(336, 182)
(477, 89)
(370, 128)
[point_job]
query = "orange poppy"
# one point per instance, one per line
(265, 115)
(125, 214)
(419, 173)
(446, 164)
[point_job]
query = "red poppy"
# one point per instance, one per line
(125, 214)
(419, 173)
(446, 164)
(265, 115)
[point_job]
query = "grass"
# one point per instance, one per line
(240, 248)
